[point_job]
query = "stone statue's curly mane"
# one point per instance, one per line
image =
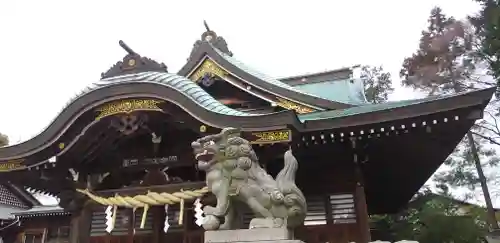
(241, 150)
(235, 175)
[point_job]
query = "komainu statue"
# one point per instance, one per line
(235, 177)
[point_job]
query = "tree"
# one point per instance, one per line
(377, 83)
(445, 63)
(4, 140)
(433, 218)
(487, 24)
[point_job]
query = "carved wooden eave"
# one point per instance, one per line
(206, 58)
(89, 108)
(37, 151)
(314, 129)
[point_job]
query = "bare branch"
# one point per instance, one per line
(487, 138)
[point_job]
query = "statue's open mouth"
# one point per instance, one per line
(205, 156)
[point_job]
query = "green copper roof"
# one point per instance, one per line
(369, 108)
(179, 83)
(346, 91)
(260, 75)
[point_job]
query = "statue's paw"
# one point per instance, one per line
(278, 223)
(277, 196)
(266, 223)
(209, 210)
(225, 226)
(211, 222)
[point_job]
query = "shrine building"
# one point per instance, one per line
(130, 133)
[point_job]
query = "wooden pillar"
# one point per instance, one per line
(362, 213)
(131, 225)
(328, 209)
(80, 224)
(363, 221)
(158, 214)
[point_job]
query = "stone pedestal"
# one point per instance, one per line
(259, 235)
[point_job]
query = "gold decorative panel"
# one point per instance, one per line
(289, 105)
(127, 106)
(11, 165)
(279, 136)
(208, 66)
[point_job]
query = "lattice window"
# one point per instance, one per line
(58, 234)
(148, 225)
(343, 211)
(33, 236)
(122, 223)
(316, 211)
(8, 198)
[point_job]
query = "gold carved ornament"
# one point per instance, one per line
(289, 105)
(210, 67)
(11, 165)
(127, 106)
(272, 137)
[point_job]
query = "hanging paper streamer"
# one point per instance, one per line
(109, 219)
(198, 212)
(166, 224)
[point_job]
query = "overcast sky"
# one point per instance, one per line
(50, 50)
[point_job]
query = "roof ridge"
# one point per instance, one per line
(308, 74)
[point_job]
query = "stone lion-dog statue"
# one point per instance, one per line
(234, 176)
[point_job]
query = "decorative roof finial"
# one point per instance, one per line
(133, 63)
(211, 37)
(126, 48)
(206, 26)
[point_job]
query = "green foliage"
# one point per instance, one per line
(4, 140)
(377, 83)
(444, 62)
(487, 24)
(447, 62)
(433, 218)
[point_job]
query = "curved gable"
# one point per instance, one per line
(156, 85)
(256, 79)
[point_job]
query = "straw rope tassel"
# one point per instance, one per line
(144, 215)
(133, 220)
(113, 220)
(181, 211)
(151, 198)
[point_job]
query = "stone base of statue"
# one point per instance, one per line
(256, 235)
